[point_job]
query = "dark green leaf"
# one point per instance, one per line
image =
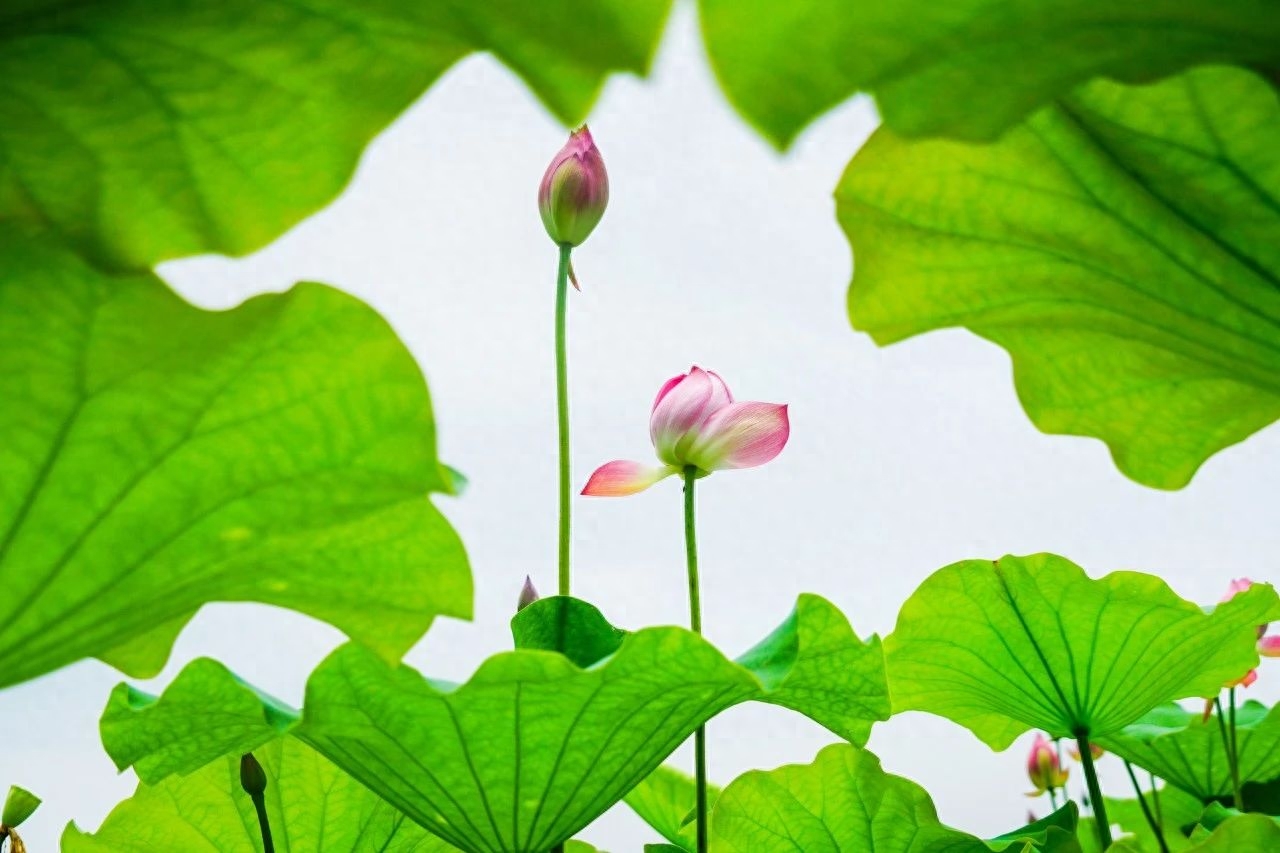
(964, 68)
(567, 625)
(1122, 245)
(157, 457)
(1233, 832)
(141, 131)
(1186, 750)
(1054, 833)
(1034, 643)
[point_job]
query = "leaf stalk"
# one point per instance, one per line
(1152, 821)
(1095, 790)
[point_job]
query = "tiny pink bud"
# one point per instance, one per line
(1042, 767)
(528, 594)
(574, 190)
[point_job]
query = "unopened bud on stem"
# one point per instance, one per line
(574, 190)
(252, 777)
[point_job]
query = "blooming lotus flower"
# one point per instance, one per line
(695, 422)
(1042, 767)
(574, 190)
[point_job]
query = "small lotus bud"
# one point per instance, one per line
(574, 190)
(1042, 767)
(252, 777)
(528, 595)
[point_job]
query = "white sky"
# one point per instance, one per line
(714, 250)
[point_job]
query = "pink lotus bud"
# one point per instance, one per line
(574, 190)
(1042, 767)
(528, 594)
(695, 421)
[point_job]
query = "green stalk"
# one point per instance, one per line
(695, 622)
(1155, 796)
(1095, 791)
(1146, 812)
(562, 410)
(264, 824)
(1235, 745)
(562, 424)
(1228, 744)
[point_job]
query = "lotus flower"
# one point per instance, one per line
(1042, 767)
(1267, 646)
(574, 190)
(695, 422)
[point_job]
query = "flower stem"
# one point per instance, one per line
(562, 424)
(1095, 791)
(695, 622)
(562, 410)
(1146, 812)
(1228, 744)
(264, 824)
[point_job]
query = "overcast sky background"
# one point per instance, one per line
(717, 251)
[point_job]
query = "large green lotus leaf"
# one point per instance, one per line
(1035, 643)
(844, 802)
(532, 747)
(312, 806)
(1123, 245)
(1186, 750)
(667, 800)
(157, 457)
(141, 131)
(946, 68)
